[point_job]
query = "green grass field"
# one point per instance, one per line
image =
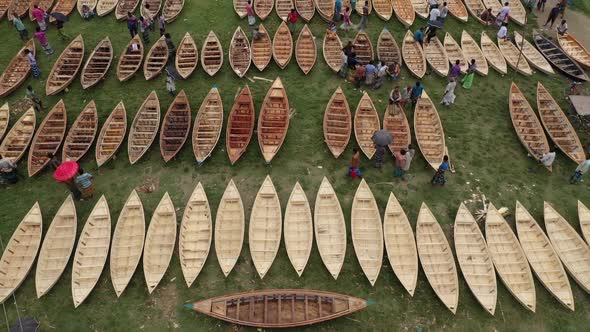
(483, 146)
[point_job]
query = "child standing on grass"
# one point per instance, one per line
(40, 36)
(354, 170)
(20, 27)
(33, 63)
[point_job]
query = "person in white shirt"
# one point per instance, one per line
(562, 28)
(503, 32)
(444, 11)
(504, 14)
(434, 14)
(547, 159)
(433, 3)
(580, 170)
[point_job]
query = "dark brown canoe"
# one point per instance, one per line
(558, 58)
(144, 128)
(273, 122)
(17, 70)
(156, 59)
(131, 58)
(111, 135)
(187, 56)
(82, 134)
(262, 49)
(337, 123)
(66, 67)
(240, 125)
(175, 127)
(363, 48)
(47, 139)
(98, 64)
(211, 54)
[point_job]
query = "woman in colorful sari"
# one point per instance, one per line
(439, 176)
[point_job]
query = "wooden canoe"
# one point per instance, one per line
(240, 7)
(240, 54)
(282, 46)
(57, 247)
(81, 134)
(124, 7)
(208, 125)
(542, 257)
(337, 123)
(429, 131)
(273, 121)
(154, 9)
(571, 249)
(66, 67)
(229, 228)
(4, 119)
(400, 244)
(4, 6)
(517, 12)
(457, 9)
(196, 232)
(534, 57)
(211, 54)
(159, 243)
(283, 8)
(298, 231)
(111, 135)
(404, 11)
(64, 7)
(326, 9)
(493, 54)
(332, 50)
(263, 8)
(559, 58)
(509, 259)
(437, 57)
(104, 7)
(127, 243)
(421, 8)
(131, 58)
(475, 260)
(584, 216)
(413, 55)
(175, 127)
(387, 50)
(98, 64)
(329, 228)
(454, 52)
(305, 9)
(48, 138)
(91, 252)
(307, 307)
(305, 50)
(527, 125)
(262, 49)
(514, 58)
(171, 9)
(572, 47)
(367, 233)
(382, 8)
(558, 126)
(187, 56)
(20, 252)
(91, 4)
(366, 123)
(472, 51)
(396, 123)
(495, 5)
(17, 71)
(363, 48)
(360, 4)
(19, 137)
(475, 8)
(156, 59)
(18, 8)
(437, 259)
(144, 128)
(240, 125)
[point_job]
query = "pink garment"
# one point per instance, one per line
(400, 160)
(249, 10)
(40, 36)
(38, 14)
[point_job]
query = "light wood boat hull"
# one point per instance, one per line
(144, 128)
(305, 50)
(437, 58)
(187, 56)
(19, 137)
(125, 6)
(263, 8)
(81, 134)
(98, 64)
(326, 9)
(131, 59)
(273, 121)
(4, 119)
(493, 54)
(413, 55)
(305, 9)
(396, 123)
(298, 231)
(229, 228)
(366, 123)
(171, 9)
(337, 123)
(282, 46)
(472, 51)
(17, 71)
(454, 53)
(572, 47)
(330, 228)
(514, 58)
(211, 54)
(48, 138)
(332, 49)
(363, 48)
(404, 11)
(429, 131)
(66, 67)
(387, 49)
(240, 54)
(534, 57)
(262, 49)
(208, 125)
(156, 59)
(111, 135)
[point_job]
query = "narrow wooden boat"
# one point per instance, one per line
(474, 260)
(305, 9)
(558, 126)
(534, 57)
(429, 131)
(229, 228)
(171, 9)
(104, 7)
(175, 127)
(159, 243)
(19, 137)
(382, 8)
(130, 60)
(437, 259)
(20, 252)
(455, 53)
(475, 8)
(66, 67)
(57, 247)
(298, 231)
(196, 231)
(282, 46)
(517, 12)
(81, 134)
(325, 9)
(211, 54)
(387, 49)
(527, 125)
(98, 64)
(265, 310)
(363, 48)
(240, 55)
(4, 5)
(4, 119)
(329, 228)
(493, 54)
(111, 135)
(156, 59)
(154, 9)
(396, 123)
(542, 257)
(332, 50)
(421, 8)
(240, 7)
(514, 58)
(48, 138)
(509, 259)
(337, 123)
(208, 126)
(472, 51)
(457, 9)
(124, 7)
(571, 249)
(91, 252)
(263, 8)
(572, 47)
(584, 216)
(127, 243)
(404, 11)
(187, 56)
(495, 5)
(262, 49)
(91, 4)
(240, 125)
(283, 8)
(273, 121)
(360, 4)
(18, 8)
(305, 50)
(413, 55)
(17, 71)
(366, 123)
(559, 58)
(437, 57)
(144, 128)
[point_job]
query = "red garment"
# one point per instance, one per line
(355, 162)
(292, 18)
(400, 160)
(41, 38)
(38, 14)
(249, 10)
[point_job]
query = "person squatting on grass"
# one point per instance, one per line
(354, 170)
(582, 169)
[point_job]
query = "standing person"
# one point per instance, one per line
(582, 168)
(40, 36)
(59, 24)
(381, 75)
(419, 35)
(346, 18)
(400, 162)
(84, 183)
(370, 71)
(562, 6)
(132, 24)
(23, 33)
(149, 18)
(170, 85)
(503, 32)
(337, 10)
(292, 20)
(171, 47)
(250, 13)
(433, 3)
(541, 5)
(406, 95)
(416, 93)
(503, 15)
(434, 15)
(344, 67)
(467, 81)
(449, 95)
(364, 17)
(144, 29)
(444, 12)
(439, 176)
(39, 16)
(162, 24)
(354, 170)
(379, 155)
(34, 98)
(455, 70)
(359, 75)
(410, 153)
(552, 16)
(562, 28)
(32, 63)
